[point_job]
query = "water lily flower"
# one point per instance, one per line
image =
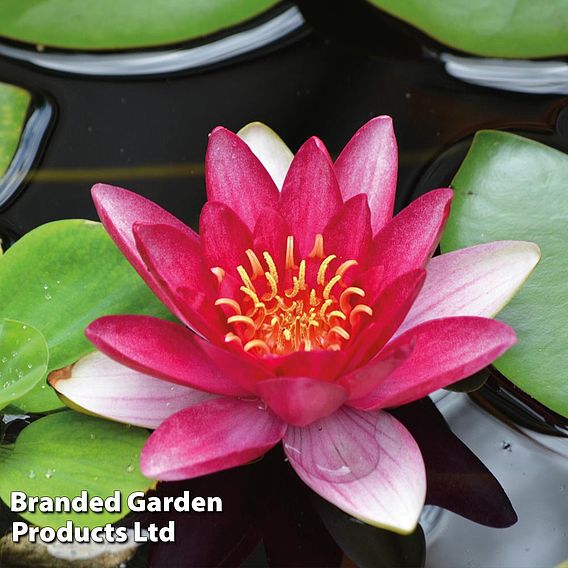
(307, 310)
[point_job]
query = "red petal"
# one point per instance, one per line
(408, 241)
(224, 237)
(270, 234)
(365, 379)
(348, 235)
(234, 176)
(119, 209)
(445, 351)
(210, 437)
(175, 262)
(310, 195)
(301, 400)
(389, 311)
(369, 165)
(169, 351)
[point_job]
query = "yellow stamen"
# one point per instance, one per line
(290, 264)
(257, 344)
(245, 278)
(356, 312)
(345, 266)
(256, 267)
(317, 251)
(296, 312)
(329, 287)
(219, 273)
(271, 266)
(344, 298)
(229, 302)
(323, 268)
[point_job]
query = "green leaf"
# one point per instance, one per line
(66, 453)
(509, 187)
(59, 278)
(121, 24)
(14, 104)
(503, 28)
(23, 360)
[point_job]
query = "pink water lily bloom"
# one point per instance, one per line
(307, 309)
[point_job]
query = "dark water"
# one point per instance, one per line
(347, 64)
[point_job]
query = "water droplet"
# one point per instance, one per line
(58, 281)
(29, 365)
(43, 386)
(92, 436)
(262, 405)
(130, 468)
(4, 359)
(49, 473)
(14, 354)
(24, 327)
(31, 474)
(168, 404)
(46, 287)
(48, 296)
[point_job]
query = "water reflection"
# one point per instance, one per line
(535, 476)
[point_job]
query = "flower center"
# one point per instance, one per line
(294, 311)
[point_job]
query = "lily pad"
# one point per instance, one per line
(23, 360)
(509, 187)
(505, 28)
(14, 105)
(59, 278)
(66, 453)
(120, 24)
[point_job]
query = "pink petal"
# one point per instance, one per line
(119, 209)
(107, 388)
(234, 176)
(365, 379)
(310, 195)
(169, 351)
(408, 241)
(389, 311)
(475, 281)
(369, 165)
(269, 148)
(301, 400)
(321, 364)
(176, 262)
(367, 464)
(270, 235)
(224, 237)
(348, 235)
(210, 437)
(445, 351)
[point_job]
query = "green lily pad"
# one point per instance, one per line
(14, 105)
(503, 28)
(509, 187)
(23, 360)
(121, 24)
(59, 278)
(66, 453)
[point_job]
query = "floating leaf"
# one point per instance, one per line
(66, 453)
(59, 278)
(23, 360)
(14, 104)
(509, 187)
(508, 28)
(121, 24)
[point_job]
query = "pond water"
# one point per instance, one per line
(326, 77)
